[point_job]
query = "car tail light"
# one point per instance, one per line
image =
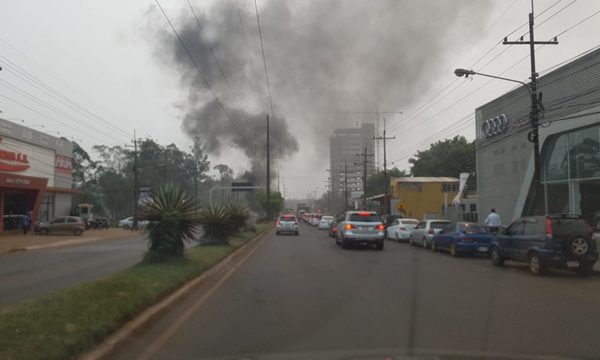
(431, 232)
(380, 227)
(334, 229)
(348, 227)
(468, 239)
(402, 228)
(364, 213)
(549, 229)
(278, 222)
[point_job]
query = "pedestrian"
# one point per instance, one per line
(493, 221)
(25, 223)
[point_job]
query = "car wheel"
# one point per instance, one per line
(535, 265)
(297, 233)
(125, 227)
(424, 243)
(277, 233)
(410, 241)
(397, 238)
(433, 246)
(453, 251)
(496, 258)
(380, 245)
(579, 246)
(77, 232)
(44, 231)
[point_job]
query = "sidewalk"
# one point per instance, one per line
(16, 241)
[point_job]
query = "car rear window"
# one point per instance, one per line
(370, 217)
(287, 218)
(409, 222)
(472, 228)
(327, 218)
(439, 224)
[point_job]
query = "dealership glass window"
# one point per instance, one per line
(584, 153)
(555, 159)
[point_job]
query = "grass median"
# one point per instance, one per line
(69, 322)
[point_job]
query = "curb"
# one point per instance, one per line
(65, 243)
(112, 342)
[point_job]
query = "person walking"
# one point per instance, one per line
(25, 223)
(493, 221)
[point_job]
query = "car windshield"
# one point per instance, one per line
(299, 179)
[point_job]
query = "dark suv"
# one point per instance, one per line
(547, 241)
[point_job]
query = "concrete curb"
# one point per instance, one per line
(112, 342)
(66, 243)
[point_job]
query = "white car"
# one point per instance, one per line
(425, 230)
(326, 222)
(128, 223)
(287, 224)
(400, 229)
(315, 220)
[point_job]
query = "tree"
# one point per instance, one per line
(277, 201)
(449, 157)
(375, 182)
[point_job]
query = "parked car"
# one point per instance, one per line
(547, 241)
(127, 223)
(400, 229)
(316, 219)
(325, 222)
(66, 224)
(360, 227)
(389, 220)
(462, 237)
(425, 230)
(287, 224)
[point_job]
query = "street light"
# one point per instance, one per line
(532, 136)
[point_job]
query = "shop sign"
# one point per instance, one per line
(13, 161)
(494, 126)
(64, 164)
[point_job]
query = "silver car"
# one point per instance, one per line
(360, 227)
(287, 224)
(425, 230)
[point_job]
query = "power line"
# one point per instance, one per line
(44, 103)
(55, 77)
(251, 59)
(262, 48)
(189, 54)
(578, 23)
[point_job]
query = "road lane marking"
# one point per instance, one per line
(183, 318)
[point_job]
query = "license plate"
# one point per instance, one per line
(482, 249)
(572, 263)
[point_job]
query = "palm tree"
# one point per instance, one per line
(173, 221)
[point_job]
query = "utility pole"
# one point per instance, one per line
(386, 183)
(532, 136)
(269, 215)
(135, 183)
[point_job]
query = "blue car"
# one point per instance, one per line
(462, 237)
(563, 242)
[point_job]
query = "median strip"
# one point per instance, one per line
(69, 322)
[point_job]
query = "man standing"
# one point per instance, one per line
(493, 221)
(25, 223)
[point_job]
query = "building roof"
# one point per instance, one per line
(409, 179)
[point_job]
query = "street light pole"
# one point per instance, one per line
(386, 200)
(269, 216)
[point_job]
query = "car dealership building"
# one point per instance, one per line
(569, 146)
(35, 175)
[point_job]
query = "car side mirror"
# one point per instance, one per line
(441, 231)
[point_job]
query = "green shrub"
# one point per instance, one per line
(173, 221)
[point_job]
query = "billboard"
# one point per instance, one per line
(22, 158)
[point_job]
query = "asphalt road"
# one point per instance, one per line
(31, 273)
(303, 297)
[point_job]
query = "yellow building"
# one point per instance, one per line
(423, 197)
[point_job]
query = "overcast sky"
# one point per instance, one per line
(95, 70)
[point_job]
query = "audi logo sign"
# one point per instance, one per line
(494, 126)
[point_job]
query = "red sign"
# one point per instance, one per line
(64, 164)
(13, 161)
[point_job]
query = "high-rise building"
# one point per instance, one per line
(346, 147)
